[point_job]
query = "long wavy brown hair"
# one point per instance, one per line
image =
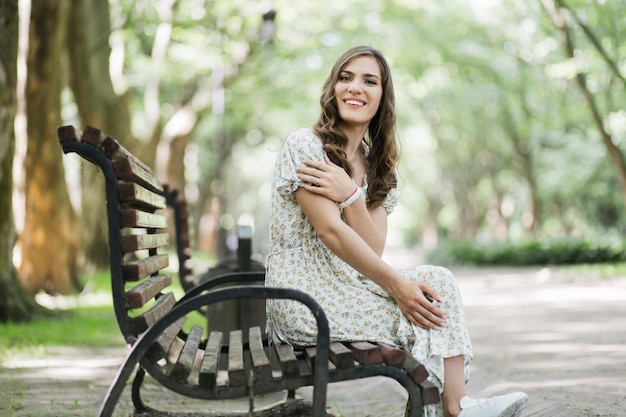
(381, 133)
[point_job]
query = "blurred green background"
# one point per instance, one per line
(510, 114)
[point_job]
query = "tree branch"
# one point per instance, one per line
(594, 41)
(556, 15)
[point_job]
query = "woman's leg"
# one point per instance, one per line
(454, 385)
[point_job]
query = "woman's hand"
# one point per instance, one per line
(327, 179)
(413, 300)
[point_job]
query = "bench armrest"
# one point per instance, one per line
(231, 278)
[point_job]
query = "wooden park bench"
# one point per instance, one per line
(186, 358)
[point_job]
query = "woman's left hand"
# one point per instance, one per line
(327, 179)
(418, 302)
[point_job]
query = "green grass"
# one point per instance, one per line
(89, 322)
(81, 326)
(84, 324)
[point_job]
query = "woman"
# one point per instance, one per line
(334, 185)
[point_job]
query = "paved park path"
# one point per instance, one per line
(560, 338)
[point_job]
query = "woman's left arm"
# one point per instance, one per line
(370, 224)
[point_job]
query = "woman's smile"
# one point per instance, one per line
(354, 102)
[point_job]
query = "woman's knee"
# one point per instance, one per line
(445, 276)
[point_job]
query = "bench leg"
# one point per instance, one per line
(412, 410)
(414, 405)
(116, 388)
(136, 391)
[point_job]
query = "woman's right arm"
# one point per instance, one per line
(331, 181)
(342, 240)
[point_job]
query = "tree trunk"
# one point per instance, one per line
(98, 106)
(49, 241)
(210, 198)
(176, 163)
(16, 304)
(524, 154)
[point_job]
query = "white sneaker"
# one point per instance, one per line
(509, 405)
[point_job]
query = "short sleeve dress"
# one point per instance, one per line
(357, 308)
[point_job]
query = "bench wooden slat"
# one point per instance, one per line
(366, 353)
(208, 370)
(127, 166)
(415, 369)
(311, 354)
(137, 195)
(304, 366)
(109, 146)
(138, 218)
(184, 364)
(132, 243)
(143, 292)
(146, 319)
(131, 170)
(95, 137)
(260, 362)
(402, 359)
(287, 360)
(162, 345)
(392, 355)
(68, 134)
(136, 270)
(236, 366)
(430, 393)
(341, 356)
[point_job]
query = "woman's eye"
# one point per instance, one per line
(344, 78)
(370, 82)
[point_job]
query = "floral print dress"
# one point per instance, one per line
(357, 308)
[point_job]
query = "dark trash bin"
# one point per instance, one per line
(242, 314)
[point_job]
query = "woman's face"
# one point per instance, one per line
(358, 91)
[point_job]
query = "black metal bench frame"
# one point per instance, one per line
(251, 371)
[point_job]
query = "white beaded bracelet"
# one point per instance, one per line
(354, 197)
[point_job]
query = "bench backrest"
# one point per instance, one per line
(182, 233)
(137, 236)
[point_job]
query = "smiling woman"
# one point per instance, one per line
(334, 186)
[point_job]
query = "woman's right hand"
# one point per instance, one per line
(327, 179)
(417, 308)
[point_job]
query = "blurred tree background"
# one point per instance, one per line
(510, 114)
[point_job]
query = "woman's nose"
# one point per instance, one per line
(354, 86)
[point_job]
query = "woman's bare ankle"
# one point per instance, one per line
(451, 409)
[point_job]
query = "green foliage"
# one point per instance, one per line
(494, 128)
(565, 251)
